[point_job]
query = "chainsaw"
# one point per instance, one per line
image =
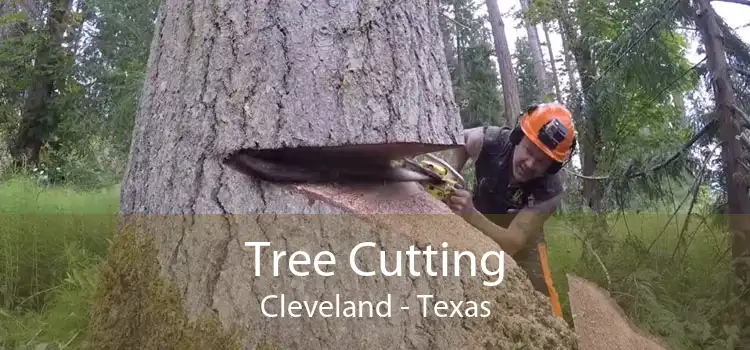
(445, 179)
(436, 176)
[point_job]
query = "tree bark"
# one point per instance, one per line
(291, 81)
(732, 155)
(508, 79)
(536, 55)
(295, 74)
(591, 139)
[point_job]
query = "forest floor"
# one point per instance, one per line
(54, 238)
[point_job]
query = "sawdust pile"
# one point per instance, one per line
(600, 322)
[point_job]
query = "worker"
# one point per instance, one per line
(518, 185)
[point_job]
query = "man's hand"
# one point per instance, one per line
(460, 202)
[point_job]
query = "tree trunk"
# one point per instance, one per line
(38, 116)
(536, 55)
(553, 64)
(295, 75)
(447, 43)
(508, 79)
(589, 136)
(460, 71)
(569, 68)
(590, 140)
(732, 155)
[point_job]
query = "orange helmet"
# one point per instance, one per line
(550, 127)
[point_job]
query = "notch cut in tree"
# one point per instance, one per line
(368, 77)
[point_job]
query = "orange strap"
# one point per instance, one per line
(553, 298)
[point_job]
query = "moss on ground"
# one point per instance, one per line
(135, 308)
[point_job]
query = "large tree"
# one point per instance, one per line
(528, 86)
(38, 115)
(502, 52)
(475, 79)
(535, 47)
(229, 76)
(730, 117)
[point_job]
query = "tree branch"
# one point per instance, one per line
(454, 21)
(741, 2)
(705, 130)
(740, 70)
(742, 114)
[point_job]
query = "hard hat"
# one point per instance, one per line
(550, 127)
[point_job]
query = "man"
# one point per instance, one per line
(514, 166)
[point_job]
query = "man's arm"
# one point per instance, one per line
(510, 240)
(472, 147)
(530, 220)
(527, 222)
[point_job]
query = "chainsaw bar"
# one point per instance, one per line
(435, 177)
(322, 171)
(449, 167)
(412, 165)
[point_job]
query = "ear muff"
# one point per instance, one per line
(516, 135)
(556, 166)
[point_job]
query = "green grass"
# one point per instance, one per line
(676, 294)
(52, 238)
